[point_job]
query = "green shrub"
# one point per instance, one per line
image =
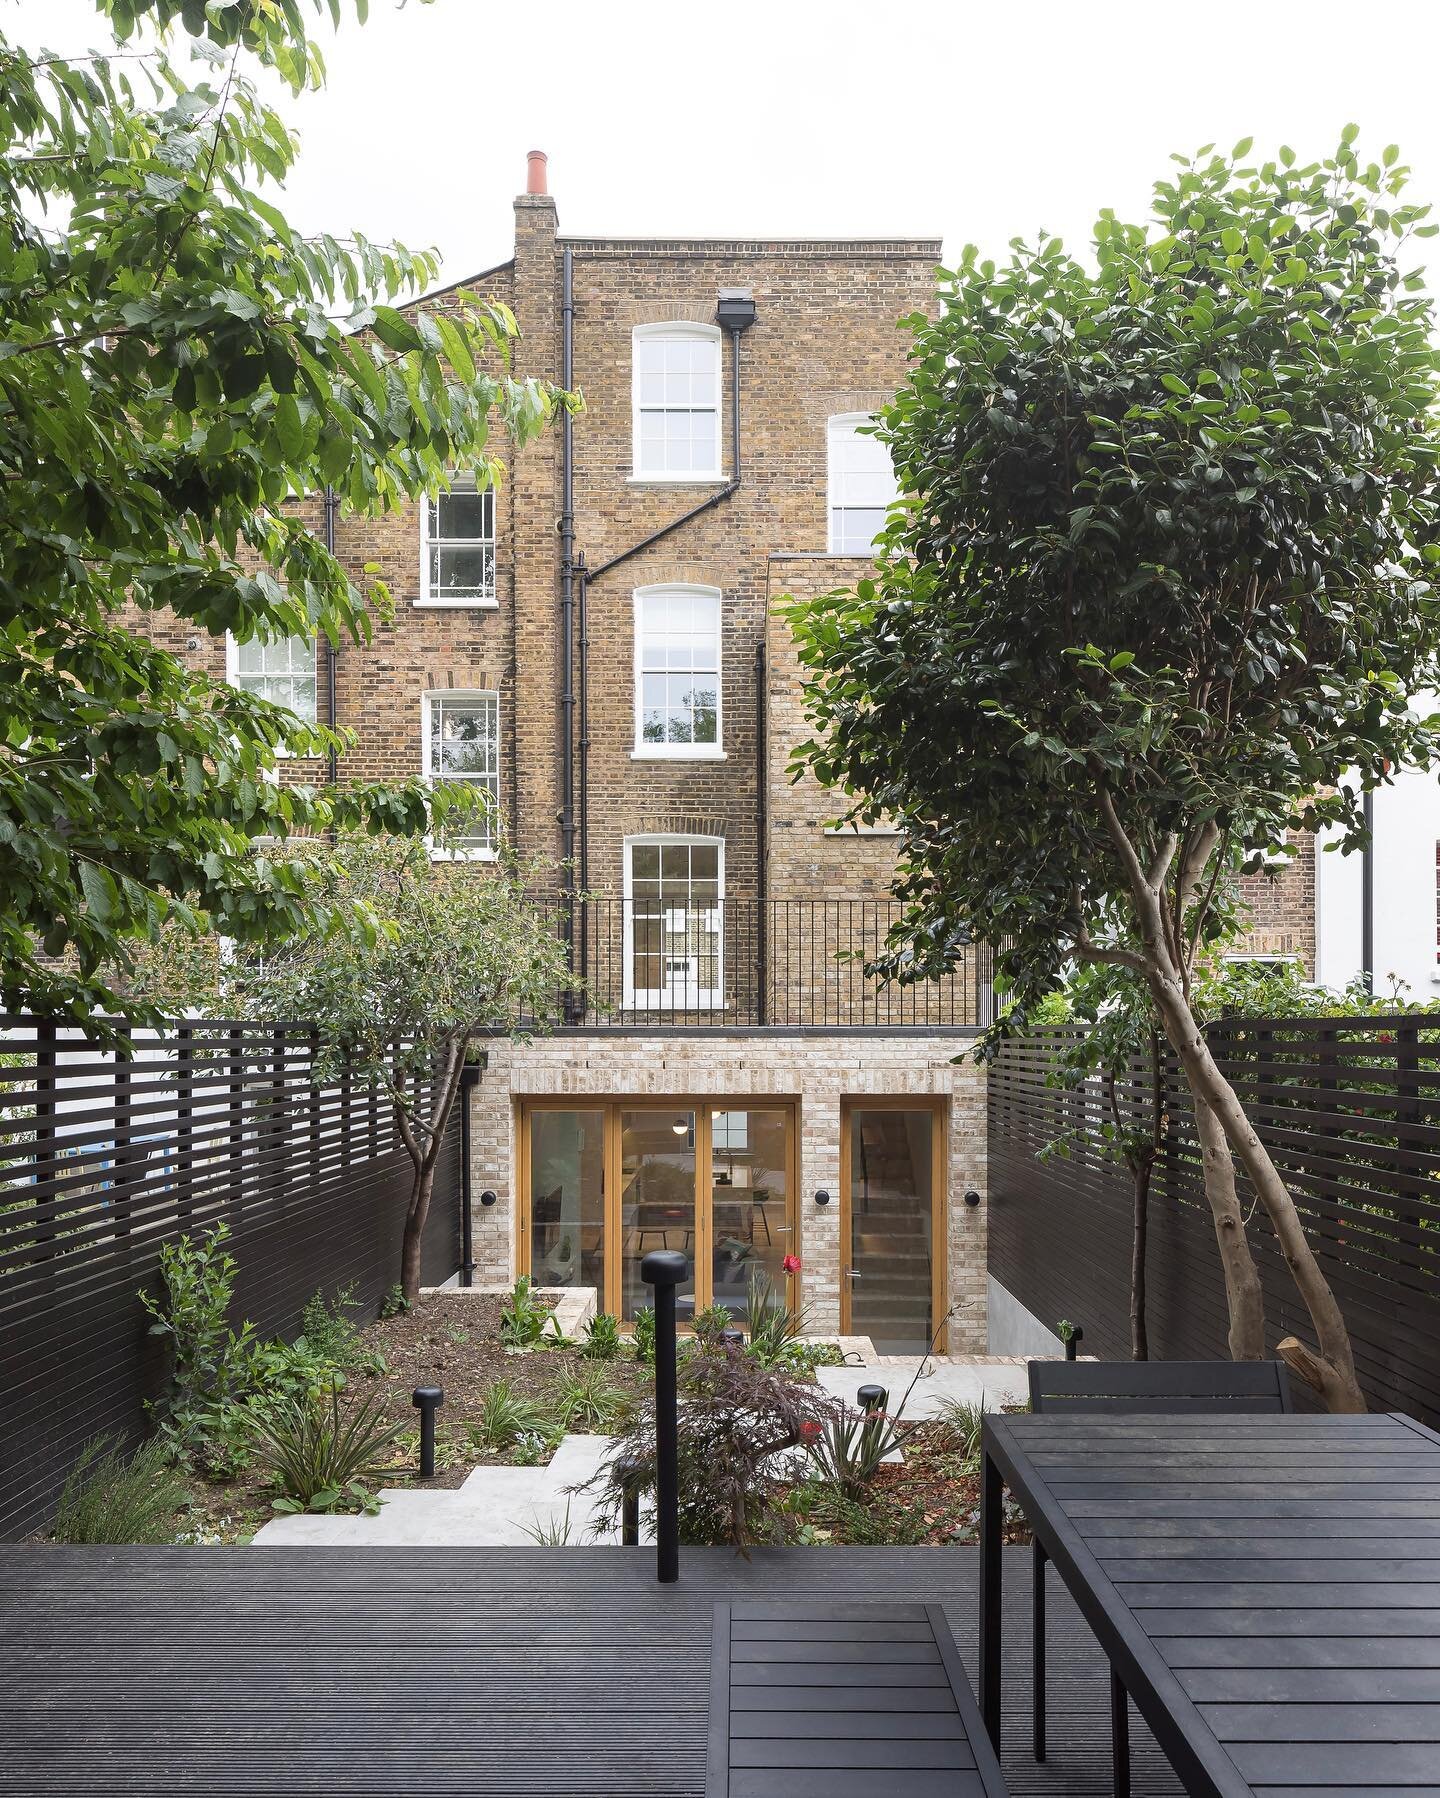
(849, 1448)
(642, 1340)
(962, 1421)
(523, 1318)
(586, 1401)
(395, 1303)
(208, 1358)
(111, 1497)
(504, 1417)
(321, 1451)
(602, 1338)
(771, 1325)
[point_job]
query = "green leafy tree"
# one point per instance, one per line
(1165, 580)
(459, 955)
(177, 363)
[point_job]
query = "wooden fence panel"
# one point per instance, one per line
(106, 1157)
(1349, 1109)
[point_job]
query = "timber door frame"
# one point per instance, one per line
(611, 1106)
(938, 1107)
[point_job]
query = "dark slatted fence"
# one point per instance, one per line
(1350, 1110)
(105, 1155)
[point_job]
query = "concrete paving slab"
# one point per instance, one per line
(997, 1382)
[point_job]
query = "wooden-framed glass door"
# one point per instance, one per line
(603, 1181)
(892, 1222)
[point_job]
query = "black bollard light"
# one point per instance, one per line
(732, 1338)
(629, 1505)
(427, 1400)
(872, 1400)
(664, 1269)
(1072, 1343)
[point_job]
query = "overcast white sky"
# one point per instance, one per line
(820, 117)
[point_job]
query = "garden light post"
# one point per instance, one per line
(872, 1400)
(664, 1269)
(427, 1400)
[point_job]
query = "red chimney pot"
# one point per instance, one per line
(535, 175)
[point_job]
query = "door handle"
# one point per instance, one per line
(784, 1229)
(852, 1273)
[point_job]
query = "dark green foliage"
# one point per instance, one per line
(321, 1449)
(642, 1337)
(395, 1303)
(112, 1497)
(505, 1417)
(208, 1359)
(176, 362)
(602, 1338)
(523, 1318)
(1168, 568)
(585, 1401)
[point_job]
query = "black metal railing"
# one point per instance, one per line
(782, 963)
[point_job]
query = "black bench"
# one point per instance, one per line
(1107, 1388)
(822, 1698)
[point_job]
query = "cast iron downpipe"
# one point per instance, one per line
(762, 882)
(567, 621)
(1367, 896)
(735, 313)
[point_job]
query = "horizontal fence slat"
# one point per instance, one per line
(105, 1157)
(1349, 1109)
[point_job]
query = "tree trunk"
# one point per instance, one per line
(1332, 1371)
(415, 1215)
(1243, 1293)
(1139, 1340)
(1333, 1368)
(424, 1152)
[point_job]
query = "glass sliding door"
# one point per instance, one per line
(566, 1177)
(658, 1208)
(891, 1185)
(604, 1183)
(750, 1228)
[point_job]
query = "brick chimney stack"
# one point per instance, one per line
(535, 173)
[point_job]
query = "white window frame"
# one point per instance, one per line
(691, 752)
(440, 601)
(430, 702)
(842, 427)
(675, 331)
(690, 997)
(233, 677)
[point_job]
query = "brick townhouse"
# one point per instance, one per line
(595, 644)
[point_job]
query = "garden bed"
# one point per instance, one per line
(451, 1340)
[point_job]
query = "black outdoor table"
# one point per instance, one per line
(1266, 1587)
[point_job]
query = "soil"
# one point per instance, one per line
(450, 1340)
(931, 1498)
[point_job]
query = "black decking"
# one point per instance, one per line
(830, 1698)
(552, 1673)
(1268, 1587)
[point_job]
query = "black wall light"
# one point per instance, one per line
(822, 1197)
(972, 1198)
(488, 1197)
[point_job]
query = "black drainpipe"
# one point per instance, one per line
(584, 882)
(332, 506)
(1367, 896)
(762, 883)
(736, 314)
(567, 620)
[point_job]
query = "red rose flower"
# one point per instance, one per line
(809, 1429)
(791, 1264)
